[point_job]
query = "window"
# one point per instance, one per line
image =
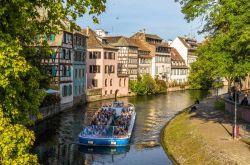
(63, 54)
(111, 92)
(80, 73)
(68, 71)
(64, 91)
(106, 82)
(69, 55)
(105, 55)
(64, 37)
(75, 90)
(94, 69)
(120, 82)
(111, 82)
(106, 92)
(112, 69)
(94, 55)
(83, 56)
(70, 90)
(94, 82)
(75, 73)
(64, 70)
(106, 69)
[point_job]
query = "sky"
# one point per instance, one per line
(161, 17)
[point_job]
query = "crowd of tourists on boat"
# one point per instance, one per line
(102, 119)
(122, 122)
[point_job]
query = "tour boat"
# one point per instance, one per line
(112, 125)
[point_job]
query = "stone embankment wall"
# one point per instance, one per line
(243, 112)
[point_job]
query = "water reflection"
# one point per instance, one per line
(57, 136)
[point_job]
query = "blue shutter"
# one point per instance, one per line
(53, 71)
(53, 38)
(53, 55)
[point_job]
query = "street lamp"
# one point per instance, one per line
(235, 128)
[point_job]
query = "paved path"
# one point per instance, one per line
(215, 126)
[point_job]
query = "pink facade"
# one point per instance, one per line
(102, 72)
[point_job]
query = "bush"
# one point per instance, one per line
(50, 99)
(146, 85)
(162, 86)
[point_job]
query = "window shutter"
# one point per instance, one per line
(53, 55)
(53, 38)
(53, 71)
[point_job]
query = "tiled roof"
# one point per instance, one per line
(113, 39)
(121, 41)
(145, 35)
(141, 46)
(95, 41)
(78, 32)
(189, 43)
(175, 56)
(153, 36)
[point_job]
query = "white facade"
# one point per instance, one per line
(161, 66)
(186, 48)
(179, 75)
(181, 48)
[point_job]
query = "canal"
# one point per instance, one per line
(56, 137)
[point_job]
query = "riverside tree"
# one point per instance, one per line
(226, 24)
(22, 81)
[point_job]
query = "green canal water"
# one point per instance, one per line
(57, 136)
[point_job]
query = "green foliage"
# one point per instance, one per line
(50, 99)
(161, 86)
(146, 85)
(227, 24)
(22, 78)
(15, 143)
(20, 89)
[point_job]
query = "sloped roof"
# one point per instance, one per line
(140, 45)
(113, 39)
(125, 42)
(95, 41)
(153, 36)
(189, 43)
(145, 35)
(175, 56)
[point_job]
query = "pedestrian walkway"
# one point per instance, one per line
(215, 125)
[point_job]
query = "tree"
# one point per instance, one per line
(22, 80)
(15, 143)
(226, 23)
(146, 85)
